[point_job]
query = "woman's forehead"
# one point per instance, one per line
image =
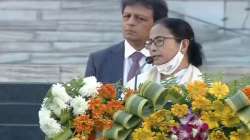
(159, 30)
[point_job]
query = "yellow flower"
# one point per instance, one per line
(225, 113)
(210, 119)
(229, 118)
(201, 103)
(154, 119)
(142, 134)
(245, 136)
(160, 136)
(219, 90)
(160, 116)
(179, 110)
(161, 120)
(218, 106)
(197, 89)
(234, 136)
(217, 135)
(166, 126)
(162, 113)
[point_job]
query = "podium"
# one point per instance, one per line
(19, 105)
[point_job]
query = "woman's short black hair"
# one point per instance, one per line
(182, 30)
(159, 7)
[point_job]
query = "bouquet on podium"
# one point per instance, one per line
(84, 109)
(78, 110)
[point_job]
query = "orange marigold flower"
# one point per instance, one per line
(83, 124)
(96, 107)
(107, 91)
(246, 90)
(197, 89)
(101, 124)
(114, 105)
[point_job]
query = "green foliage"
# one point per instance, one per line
(65, 116)
(65, 135)
(210, 78)
(169, 82)
(235, 85)
(73, 87)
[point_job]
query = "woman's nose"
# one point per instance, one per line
(153, 47)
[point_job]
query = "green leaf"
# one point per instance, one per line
(65, 116)
(65, 135)
(73, 87)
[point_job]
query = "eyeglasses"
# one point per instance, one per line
(158, 41)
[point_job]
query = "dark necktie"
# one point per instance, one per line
(136, 57)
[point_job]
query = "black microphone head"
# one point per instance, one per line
(149, 60)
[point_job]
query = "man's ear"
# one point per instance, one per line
(185, 45)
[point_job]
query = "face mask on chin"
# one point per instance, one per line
(169, 67)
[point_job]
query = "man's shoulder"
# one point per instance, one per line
(106, 51)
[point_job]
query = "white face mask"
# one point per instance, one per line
(169, 67)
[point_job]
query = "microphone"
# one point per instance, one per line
(149, 60)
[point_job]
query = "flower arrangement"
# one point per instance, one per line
(78, 109)
(202, 111)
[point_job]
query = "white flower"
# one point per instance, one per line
(197, 122)
(79, 105)
(194, 132)
(44, 101)
(174, 137)
(59, 91)
(57, 106)
(44, 113)
(60, 99)
(90, 87)
(47, 124)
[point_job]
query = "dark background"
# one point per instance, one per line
(19, 106)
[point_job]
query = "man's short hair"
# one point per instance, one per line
(159, 7)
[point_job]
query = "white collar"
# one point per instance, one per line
(189, 74)
(129, 50)
(181, 72)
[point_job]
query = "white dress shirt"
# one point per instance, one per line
(129, 50)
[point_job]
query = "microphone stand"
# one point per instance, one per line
(136, 75)
(149, 60)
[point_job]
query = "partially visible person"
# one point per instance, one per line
(121, 61)
(175, 51)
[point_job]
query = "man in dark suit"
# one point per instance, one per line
(115, 63)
